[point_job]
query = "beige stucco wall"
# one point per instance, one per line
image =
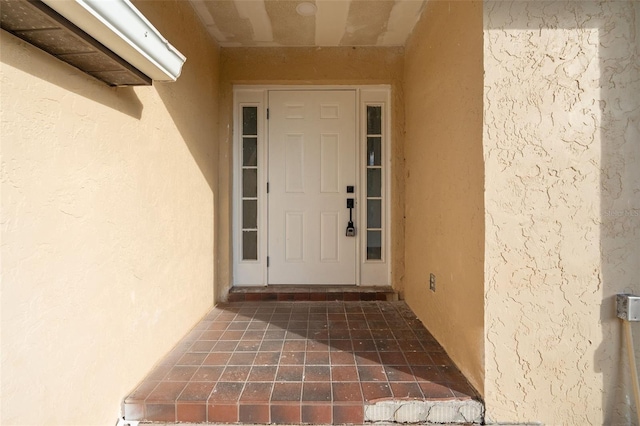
(107, 224)
(444, 179)
(562, 153)
(314, 66)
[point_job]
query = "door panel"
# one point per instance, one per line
(312, 159)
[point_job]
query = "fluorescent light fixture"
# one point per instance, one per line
(120, 27)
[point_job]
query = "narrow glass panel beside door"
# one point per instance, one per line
(249, 244)
(249, 183)
(250, 121)
(249, 215)
(374, 151)
(374, 214)
(374, 120)
(375, 190)
(374, 245)
(374, 182)
(250, 152)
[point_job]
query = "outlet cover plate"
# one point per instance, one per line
(628, 307)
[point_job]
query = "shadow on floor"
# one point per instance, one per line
(330, 362)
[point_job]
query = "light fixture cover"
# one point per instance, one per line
(306, 9)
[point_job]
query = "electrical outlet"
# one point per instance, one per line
(432, 282)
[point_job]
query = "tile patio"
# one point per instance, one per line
(283, 362)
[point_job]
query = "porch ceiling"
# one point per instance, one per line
(236, 23)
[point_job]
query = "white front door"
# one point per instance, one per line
(312, 160)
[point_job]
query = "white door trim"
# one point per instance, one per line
(254, 271)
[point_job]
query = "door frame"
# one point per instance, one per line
(254, 272)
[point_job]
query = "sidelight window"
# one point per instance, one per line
(249, 183)
(374, 181)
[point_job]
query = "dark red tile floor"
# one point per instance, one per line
(296, 362)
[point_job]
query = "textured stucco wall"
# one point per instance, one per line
(107, 224)
(562, 153)
(299, 66)
(444, 179)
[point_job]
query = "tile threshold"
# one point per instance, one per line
(328, 362)
(311, 288)
(311, 293)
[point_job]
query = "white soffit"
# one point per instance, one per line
(119, 26)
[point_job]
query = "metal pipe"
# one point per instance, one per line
(628, 310)
(632, 365)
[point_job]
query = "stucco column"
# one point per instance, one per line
(562, 197)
